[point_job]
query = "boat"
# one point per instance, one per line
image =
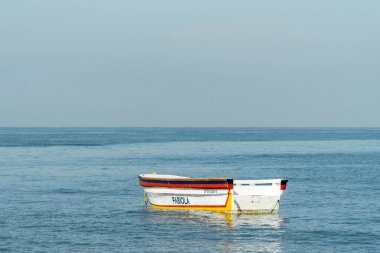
(171, 192)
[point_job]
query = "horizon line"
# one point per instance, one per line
(189, 126)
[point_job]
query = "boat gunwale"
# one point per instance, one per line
(188, 179)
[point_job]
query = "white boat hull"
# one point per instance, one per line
(246, 196)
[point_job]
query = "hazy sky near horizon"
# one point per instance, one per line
(189, 63)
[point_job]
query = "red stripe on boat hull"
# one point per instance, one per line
(198, 186)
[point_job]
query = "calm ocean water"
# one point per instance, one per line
(76, 189)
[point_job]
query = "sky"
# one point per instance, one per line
(122, 63)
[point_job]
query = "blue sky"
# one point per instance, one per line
(189, 63)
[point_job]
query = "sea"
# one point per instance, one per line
(76, 189)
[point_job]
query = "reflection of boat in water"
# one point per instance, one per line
(227, 229)
(213, 194)
(224, 220)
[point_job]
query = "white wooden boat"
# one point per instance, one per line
(213, 194)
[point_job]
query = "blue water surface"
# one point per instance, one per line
(76, 189)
